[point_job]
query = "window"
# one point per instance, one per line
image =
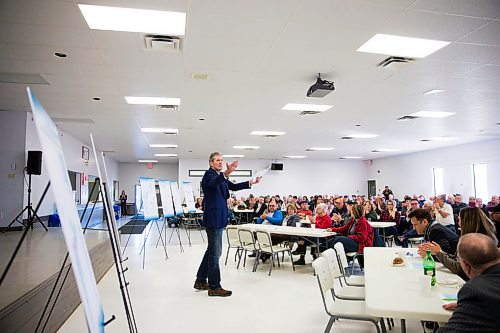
(479, 179)
(438, 181)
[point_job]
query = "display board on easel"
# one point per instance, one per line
(70, 222)
(189, 196)
(176, 196)
(149, 201)
(166, 198)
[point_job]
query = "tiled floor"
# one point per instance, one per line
(164, 299)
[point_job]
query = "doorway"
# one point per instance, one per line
(372, 188)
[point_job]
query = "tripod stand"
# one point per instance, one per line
(32, 216)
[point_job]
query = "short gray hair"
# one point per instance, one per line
(323, 206)
(213, 155)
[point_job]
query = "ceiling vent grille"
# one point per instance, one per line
(346, 138)
(270, 136)
(171, 133)
(163, 43)
(309, 113)
(395, 63)
(167, 107)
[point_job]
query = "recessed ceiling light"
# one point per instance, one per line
(246, 147)
(384, 150)
(351, 157)
(160, 130)
(443, 138)
(267, 133)
(319, 148)
(433, 91)
(134, 20)
(152, 100)
(162, 145)
(233, 156)
(60, 55)
(362, 136)
(431, 114)
(96, 98)
(294, 156)
(357, 125)
(166, 155)
(401, 46)
(201, 119)
(306, 107)
(147, 161)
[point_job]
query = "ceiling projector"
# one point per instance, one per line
(320, 89)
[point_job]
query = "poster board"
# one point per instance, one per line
(176, 196)
(149, 201)
(70, 222)
(189, 196)
(166, 198)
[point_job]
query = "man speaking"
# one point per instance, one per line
(216, 189)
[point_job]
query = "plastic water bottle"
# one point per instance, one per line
(430, 267)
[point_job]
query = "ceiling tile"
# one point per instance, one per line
(488, 34)
(484, 8)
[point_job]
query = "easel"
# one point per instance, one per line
(118, 264)
(176, 229)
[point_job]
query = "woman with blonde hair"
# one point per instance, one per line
(470, 220)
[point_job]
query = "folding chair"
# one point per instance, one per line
(266, 246)
(233, 241)
(350, 280)
(248, 243)
(355, 293)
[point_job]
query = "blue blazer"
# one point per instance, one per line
(216, 192)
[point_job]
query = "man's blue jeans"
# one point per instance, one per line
(209, 267)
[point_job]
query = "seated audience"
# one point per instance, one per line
(472, 201)
(433, 231)
(322, 221)
(339, 212)
(292, 218)
(391, 215)
(380, 205)
(369, 212)
(457, 206)
(444, 213)
(259, 207)
(199, 203)
(480, 205)
(304, 212)
(478, 302)
(471, 220)
(356, 234)
(272, 215)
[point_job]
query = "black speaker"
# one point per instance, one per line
(34, 166)
(277, 166)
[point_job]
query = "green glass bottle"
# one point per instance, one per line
(430, 267)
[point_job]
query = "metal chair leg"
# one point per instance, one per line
(329, 325)
(382, 324)
(227, 254)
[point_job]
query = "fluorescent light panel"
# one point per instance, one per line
(134, 20)
(147, 161)
(363, 136)
(294, 156)
(153, 100)
(267, 133)
(386, 150)
(246, 147)
(306, 107)
(433, 91)
(166, 155)
(431, 114)
(162, 145)
(233, 156)
(160, 130)
(351, 157)
(320, 148)
(401, 46)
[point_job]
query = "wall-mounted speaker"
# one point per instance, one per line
(34, 165)
(277, 166)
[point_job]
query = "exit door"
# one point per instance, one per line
(372, 188)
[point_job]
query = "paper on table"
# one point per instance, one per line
(262, 172)
(448, 298)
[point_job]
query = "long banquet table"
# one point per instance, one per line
(404, 292)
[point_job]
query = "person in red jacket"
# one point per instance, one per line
(322, 221)
(356, 234)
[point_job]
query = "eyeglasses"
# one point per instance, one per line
(337, 202)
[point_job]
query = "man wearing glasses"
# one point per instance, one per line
(339, 212)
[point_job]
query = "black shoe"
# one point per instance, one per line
(315, 256)
(201, 285)
(298, 253)
(219, 292)
(301, 261)
(253, 255)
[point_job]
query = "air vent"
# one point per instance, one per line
(109, 151)
(425, 140)
(309, 113)
(395, 63)
(406, 118)
(171, 133)
(270, 136)
(375, 151)
(73, 120)
(167, 107)
(163, 43)
(346, 138)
